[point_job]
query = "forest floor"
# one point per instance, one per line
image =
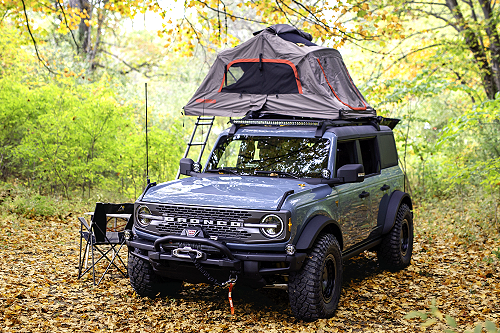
(40, 292)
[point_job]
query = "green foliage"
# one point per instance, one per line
(66, 134)
(21, 200)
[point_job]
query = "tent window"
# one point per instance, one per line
(261, 76)
(234, 74)
(340, 83)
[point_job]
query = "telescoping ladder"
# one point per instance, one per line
(201, 122)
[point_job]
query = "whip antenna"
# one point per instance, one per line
(147, 146)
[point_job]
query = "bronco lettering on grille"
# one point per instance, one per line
(197, 221)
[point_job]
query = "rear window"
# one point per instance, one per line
(388, 152)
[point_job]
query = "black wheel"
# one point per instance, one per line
(396, 248)
(146, 283)
(314, 291)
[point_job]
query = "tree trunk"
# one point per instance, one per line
(491, 30)
(84, 31)
(472, 40)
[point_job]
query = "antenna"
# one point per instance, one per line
(147, 146)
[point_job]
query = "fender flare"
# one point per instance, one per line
(313, 228)
(395, 201)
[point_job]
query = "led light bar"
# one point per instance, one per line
(277, 122)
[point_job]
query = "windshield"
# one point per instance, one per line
(274, 156)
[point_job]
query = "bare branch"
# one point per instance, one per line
(281, 9)
(34, 41)
(317, 20)
(448, 21)
(4, 15)
(132, 67)
(462, 81)
(225, 19)
(425, 3)
(228, 14)
(417, 50)
(401, 58)
(67, 25)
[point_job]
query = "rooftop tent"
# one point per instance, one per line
(279, 71)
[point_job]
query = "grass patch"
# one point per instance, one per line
(19, 200)
(469, 218)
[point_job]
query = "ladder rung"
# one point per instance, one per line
(197, 143)
(200, 124)
(206, 118)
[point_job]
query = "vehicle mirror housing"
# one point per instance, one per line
(186, 166)
(351, 173)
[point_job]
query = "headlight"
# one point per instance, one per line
(142, 216)
(271, 226)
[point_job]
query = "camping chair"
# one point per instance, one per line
(102, 243)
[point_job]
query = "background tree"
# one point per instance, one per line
(459, 38)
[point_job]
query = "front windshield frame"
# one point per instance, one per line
(271, 156)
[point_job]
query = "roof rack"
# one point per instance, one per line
(320, 124)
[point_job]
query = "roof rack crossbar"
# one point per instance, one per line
(321, 124)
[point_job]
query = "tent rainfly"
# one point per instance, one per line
(279, 71)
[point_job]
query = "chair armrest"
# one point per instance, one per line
(84, 223)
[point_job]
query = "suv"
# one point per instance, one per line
(281, 204)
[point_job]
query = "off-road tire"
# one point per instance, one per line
(146, 283)
(314, 290)
(394, 253)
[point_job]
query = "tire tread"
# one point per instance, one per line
(305, 287)
(389, 252)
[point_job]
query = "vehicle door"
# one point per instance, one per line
(374, 183)
(391, 178)
(354, 200)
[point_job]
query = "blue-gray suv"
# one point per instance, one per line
(280, 203)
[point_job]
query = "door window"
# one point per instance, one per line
(346, 154)
(368, 148)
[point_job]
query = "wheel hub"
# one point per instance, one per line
(328, 278)
(405, 237)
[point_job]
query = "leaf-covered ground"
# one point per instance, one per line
(39, 289)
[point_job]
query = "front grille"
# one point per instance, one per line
(204, 213)
(222, 231)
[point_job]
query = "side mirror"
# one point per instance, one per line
(351, 173)
(187, 166)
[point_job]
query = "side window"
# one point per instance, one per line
(369, 155)
(346, 154)
(388, 152)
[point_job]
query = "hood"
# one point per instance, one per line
(263, 193)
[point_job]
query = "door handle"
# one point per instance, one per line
(385, 187)
(364, 194)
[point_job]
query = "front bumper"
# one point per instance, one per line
(172, 249)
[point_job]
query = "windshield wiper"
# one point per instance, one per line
(281, 173)
(234, 172)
